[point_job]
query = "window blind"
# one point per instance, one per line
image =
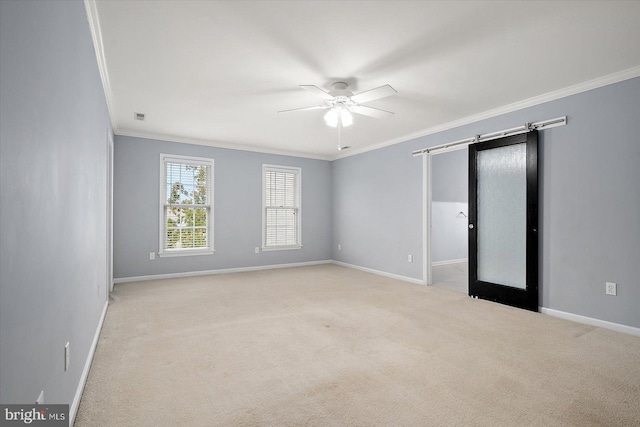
(282, 208)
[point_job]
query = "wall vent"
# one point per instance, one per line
(138, 116)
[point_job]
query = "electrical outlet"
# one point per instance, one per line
(66, 357)
(410, 258)
(339, 247)
(152, 256)
(40, 399)
(257, 250)
(610, 288)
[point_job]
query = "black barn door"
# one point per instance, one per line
(503, 220)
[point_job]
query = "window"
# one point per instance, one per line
(186, 198)
(281, 208)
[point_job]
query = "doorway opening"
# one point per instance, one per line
(449, 220)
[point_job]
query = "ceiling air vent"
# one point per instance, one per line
(138, 116)
(343, 147)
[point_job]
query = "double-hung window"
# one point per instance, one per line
(186, 205)
(281, 208)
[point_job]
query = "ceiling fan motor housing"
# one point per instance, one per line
(340, 101)
(340, 91)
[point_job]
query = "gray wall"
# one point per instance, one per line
(377, 210)
(589, 202)
(450, 176)
(53, 132)
(450, 194)
(237, 209)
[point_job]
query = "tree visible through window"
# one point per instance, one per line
(186, 210)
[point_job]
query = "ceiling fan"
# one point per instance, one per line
(341, 103)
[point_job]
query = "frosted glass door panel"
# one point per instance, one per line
(502, 215)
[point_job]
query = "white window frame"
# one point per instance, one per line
(298, 197)
(168, 158)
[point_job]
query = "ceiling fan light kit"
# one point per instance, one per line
(338, 113)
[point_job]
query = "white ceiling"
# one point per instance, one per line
(217, 72)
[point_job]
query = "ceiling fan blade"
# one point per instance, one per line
(370, 111)
(315, 107)
(376, 93)
(316, 91)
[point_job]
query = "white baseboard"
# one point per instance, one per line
(591, 321)
(73, 409)
(263, 267)
(380, 273)
(219, 271)
(449, 261)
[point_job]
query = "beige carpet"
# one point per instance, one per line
(331, 346)
(454, 277)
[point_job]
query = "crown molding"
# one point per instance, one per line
(226, 145)
(91, 9)
(627, 74)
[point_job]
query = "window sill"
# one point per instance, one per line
(185, 253)
(281, 248)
